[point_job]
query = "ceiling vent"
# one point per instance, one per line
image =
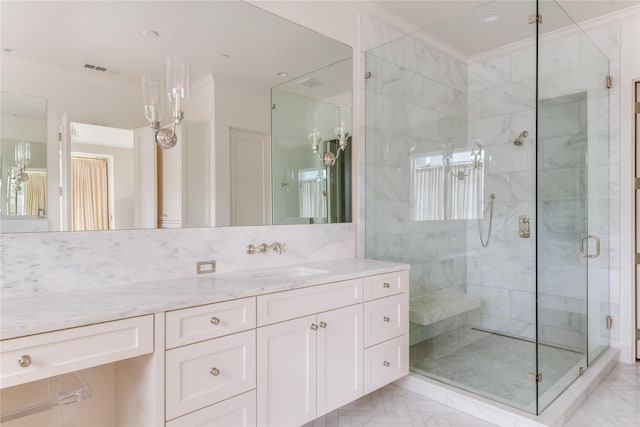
(95, 67)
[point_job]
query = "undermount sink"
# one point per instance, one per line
(290, 272)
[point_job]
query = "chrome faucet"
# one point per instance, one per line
(263, 248)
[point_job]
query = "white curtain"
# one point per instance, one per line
(89, 197)
(313, 201)
(463, 193)
(440, 193)
(35, 193)
(428, 194)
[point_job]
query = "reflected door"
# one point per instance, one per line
(250, 177)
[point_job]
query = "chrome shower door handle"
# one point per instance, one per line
(583, 250)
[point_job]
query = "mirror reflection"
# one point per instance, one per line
(312, 180)
(223, 169)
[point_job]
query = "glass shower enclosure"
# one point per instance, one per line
(487, 170)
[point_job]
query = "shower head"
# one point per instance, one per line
(520, 139)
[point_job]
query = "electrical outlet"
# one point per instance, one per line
(203, 267)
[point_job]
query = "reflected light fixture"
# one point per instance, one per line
(178, 90)
(329, 158)
(22, 152)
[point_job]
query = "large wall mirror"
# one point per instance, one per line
(268, 99)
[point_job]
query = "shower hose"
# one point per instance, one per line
(482, 242)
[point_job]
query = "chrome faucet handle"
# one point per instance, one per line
(279, 247)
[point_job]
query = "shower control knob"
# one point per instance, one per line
(215, 320)
(24, 361)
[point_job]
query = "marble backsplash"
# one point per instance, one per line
(51, 262)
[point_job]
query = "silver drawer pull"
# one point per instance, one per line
(314, 327)
(386, 364)
(386, 285)
(215, 372)
(215, 320)
(323, 325)
(386, 319)
(24, 361)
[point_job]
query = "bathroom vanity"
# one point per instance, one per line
(266, 347)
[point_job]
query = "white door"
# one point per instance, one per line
(340, 357)
(286, 373)
(64, 126)
(250, 170)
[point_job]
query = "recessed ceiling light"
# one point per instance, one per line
(282, 74)
(11, 51)
(152, 34)
(490, 17)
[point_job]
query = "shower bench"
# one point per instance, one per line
(432, 307)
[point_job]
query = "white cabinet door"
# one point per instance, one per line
(340, 356)
(287, 373)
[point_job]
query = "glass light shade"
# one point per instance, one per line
(178, 83)
(22, 154)
(152, 94)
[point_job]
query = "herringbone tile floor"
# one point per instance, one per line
(616, 402)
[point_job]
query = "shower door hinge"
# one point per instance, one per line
(636, 108)
(637, 334)
(637, 183)
(609, 322)
(535, 18)
(637, 259)
(273, 106)
(609, 82)
(367, 75)
(535, 378)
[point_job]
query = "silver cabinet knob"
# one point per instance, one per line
(24, 361)
(215, 372)
(314, 327)
(323, 325)
(386, 364)
(386, 319)
(386, 285)
(215, 320)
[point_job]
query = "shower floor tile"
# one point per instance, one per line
(494, 366)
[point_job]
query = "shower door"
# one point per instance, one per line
(572, 202)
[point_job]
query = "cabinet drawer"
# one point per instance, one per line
(384, 363)
(239, 411)
(200, 374)
(384, 285)
(69, 350)
(384, 319)
(281, 306)
(209, 321)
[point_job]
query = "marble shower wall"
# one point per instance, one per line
(572, 118)
(415, 102)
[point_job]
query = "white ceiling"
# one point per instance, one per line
(109, 34)
(459, 24)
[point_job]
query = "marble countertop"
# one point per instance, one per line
(45, 312)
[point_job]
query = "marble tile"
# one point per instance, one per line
(523, 64)
(558, 53)
(57, 262)
(509, 98)
(491, 130)
(491, 73)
